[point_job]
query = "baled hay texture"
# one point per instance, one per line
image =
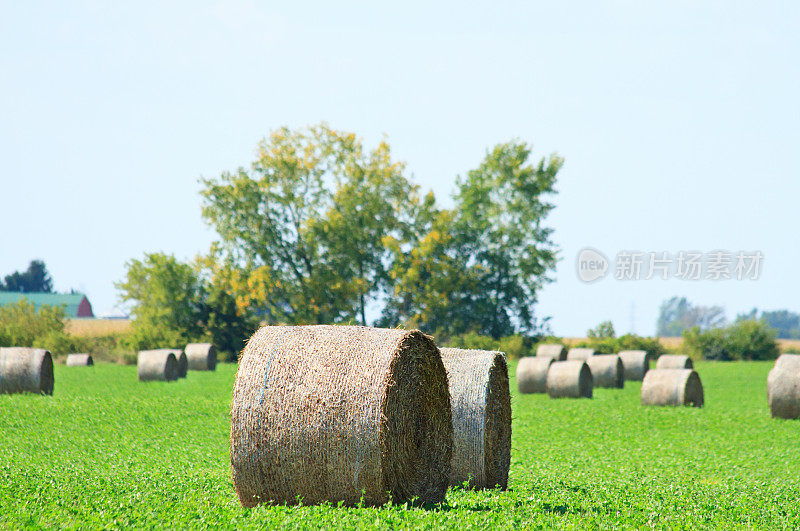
(783, 387)
(636, 363)
(158, 365)
(672, 387)
(340, 414)
(557, 352)
(79, 360)
(26, 370)
(201, 356)
(674, 361)
(532, 374)
(606, 370)
(575, 354)
(481, 405)
(569, 379)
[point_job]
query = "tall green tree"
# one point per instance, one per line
(35, 279)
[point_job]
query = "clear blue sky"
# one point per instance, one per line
(679, 123)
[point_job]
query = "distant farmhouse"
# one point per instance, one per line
(74, 304)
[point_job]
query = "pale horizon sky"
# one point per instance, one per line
(679, 123)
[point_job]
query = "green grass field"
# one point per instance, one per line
(108, 451)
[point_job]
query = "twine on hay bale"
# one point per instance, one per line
(672, 387)
(157, 365)
(569, 379)
(579, 353)
(674, 361)
(557, 352)
(635, 363)
(481, 406)
(607, 370)
(340, 414)
(201, 356)
(26, 370)
(783, 387)
(80, 360)
(532, 374)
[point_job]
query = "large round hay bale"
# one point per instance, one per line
(340, 414)
(80, 360)
(532, 374)
(569, 379)
(557, 352)
(672, 387)
(783, 387)
(577, 353)
(674, 361)
(158, 365)
(481, 405)
(635, 363)
(201, 356)
(606, 370)
(26, 370)
(183, 362)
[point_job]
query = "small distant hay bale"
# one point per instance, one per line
(607, 370)
(783, 387)
(569, 379)
(26, 370)
(576, 354)
(672, 387)
(340, 414)
(80, 360)
(674, 361)
(635, 363)
(157, 365)
(481, 406)
(201, 356)
(532, 374)
(557, 352)
(183, 362)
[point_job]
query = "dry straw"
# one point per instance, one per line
(26, 370)
(481, 406)
(672, 387)
(635, 363)
(606, 370)
(783, 387)
(340, 414)
(159, 365)
(557, 352)
(674, 361)
(532, 374)
(201, 356)
(569, 379)
(79, 360)
(575, 354)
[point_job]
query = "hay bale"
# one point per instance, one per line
(201, 356)
(183, 362)
(532, 374)
(635, 363)
(783, 387)
(340, 414)
(80, 360)
(569, 379)
(674, 361)
(557, 352)
(672, 387)
(157, 365)
(26, 370)
(481, 406)
(576, 354)
(607, 370)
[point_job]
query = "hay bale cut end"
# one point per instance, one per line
(340, 414)
(569, 379)
(557, 352)
(157, 365)
(26, 370)
(783, 387)
(532, 374)
(672, 387)
(575, 354)
(80, 360)
(635, 363)
(607, 371)
(201, 356)
(481, 406)
(674, 361)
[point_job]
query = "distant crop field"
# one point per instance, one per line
(97, 327)
(106, 451)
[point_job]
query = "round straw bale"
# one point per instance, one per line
(569, 379)
(783, 387)
(340, 414)
(26, 370)
(201, 356)
(580, 353)
(606, 370)
(183, 362)
(160, 364)
(80, 360)
(532, 374)
(672, 387)
(558, 352)
(674, 361)
(635, 363)
(481, 406)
